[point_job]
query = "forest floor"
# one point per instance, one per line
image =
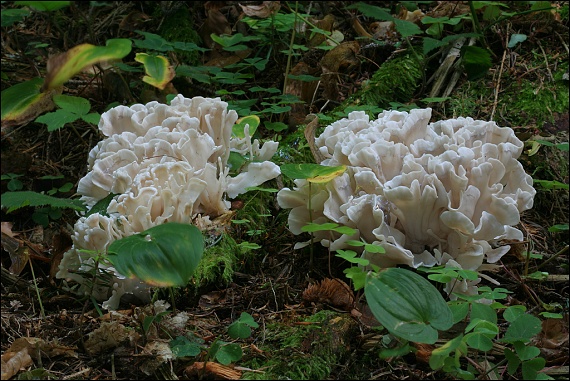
(69, 337)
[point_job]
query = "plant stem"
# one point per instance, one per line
(42, 312)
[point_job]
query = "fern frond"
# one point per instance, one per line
(17, 200)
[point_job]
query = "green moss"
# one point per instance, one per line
(395, 81)
(524, 101)
(304, 351)
(178, 26)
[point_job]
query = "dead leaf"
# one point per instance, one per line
(215, 23)
(12, 362)
(304, 90)
(341, 59)
(263, 10)
(212, 370)
(326, 24)
(310, 130)
(334, 292)
(108, 336)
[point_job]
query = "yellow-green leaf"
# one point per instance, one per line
(64, 66)
(23, 102)
(158, 70)
(238, 129)
(325, 178)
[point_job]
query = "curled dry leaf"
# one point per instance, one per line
(12, 362)
(334, 292)
(263, 10)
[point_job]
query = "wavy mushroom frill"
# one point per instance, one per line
(439, 193)
(163, 163)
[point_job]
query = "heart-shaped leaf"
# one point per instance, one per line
(164, 256)
(24, 102)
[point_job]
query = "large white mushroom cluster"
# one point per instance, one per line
(447, 192)
(164, 163)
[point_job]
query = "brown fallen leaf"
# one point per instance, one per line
(341, 59)
(263, 10)
(12, 362)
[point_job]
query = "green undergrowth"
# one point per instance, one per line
(178, 26)
(524, 101)
(307, 351)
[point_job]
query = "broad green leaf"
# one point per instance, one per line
(153, 42)
(479, 341)
(12, 16)
(459, 310)
(483, 312)
(408, 305)
(238, 129)
(531, 368)
(314, 173)
(57, 119)
(558, 228)
(43, 6)
(158, 70)
(66, 65)
(25, 101)
(407, 28)
(476, 61)
(102, 205)
(182, 347)
(164, 256)
(526, 352)
(276, 126)
(75, 105)
(92, 118)
(228, 353)
(512, 313)
(373, 11)
(241, 328)
(523, 329)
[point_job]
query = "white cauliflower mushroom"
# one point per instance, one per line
(164, 163)
(443, 193)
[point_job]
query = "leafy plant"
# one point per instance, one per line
(71, 109)
(221, 351)
(164, 256)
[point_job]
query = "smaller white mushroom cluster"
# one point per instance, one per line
(440, 193)
(164, 163)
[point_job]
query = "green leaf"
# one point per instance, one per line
(25, 101)
(276, 126)
(513, 361)
(158, 70)
(438, 355)
(58, 119)
(92, 118)
(164, 256)
(75, 105)
(183, 347)
(558, 228)
(408, 305)
(512, 313)
(66, 65)
(102, 205)
(531, 368)
(483, 312)
(459, 310)
(479, 341)
(17, 200)
(12, 16)
(526, 352)
(407, 28)
(476, 61)
(238, 129)
(523, 329)
(43, 5)
(314, 173)
(153, 42)
(373, 11)
(228, 353)
(241, 328)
